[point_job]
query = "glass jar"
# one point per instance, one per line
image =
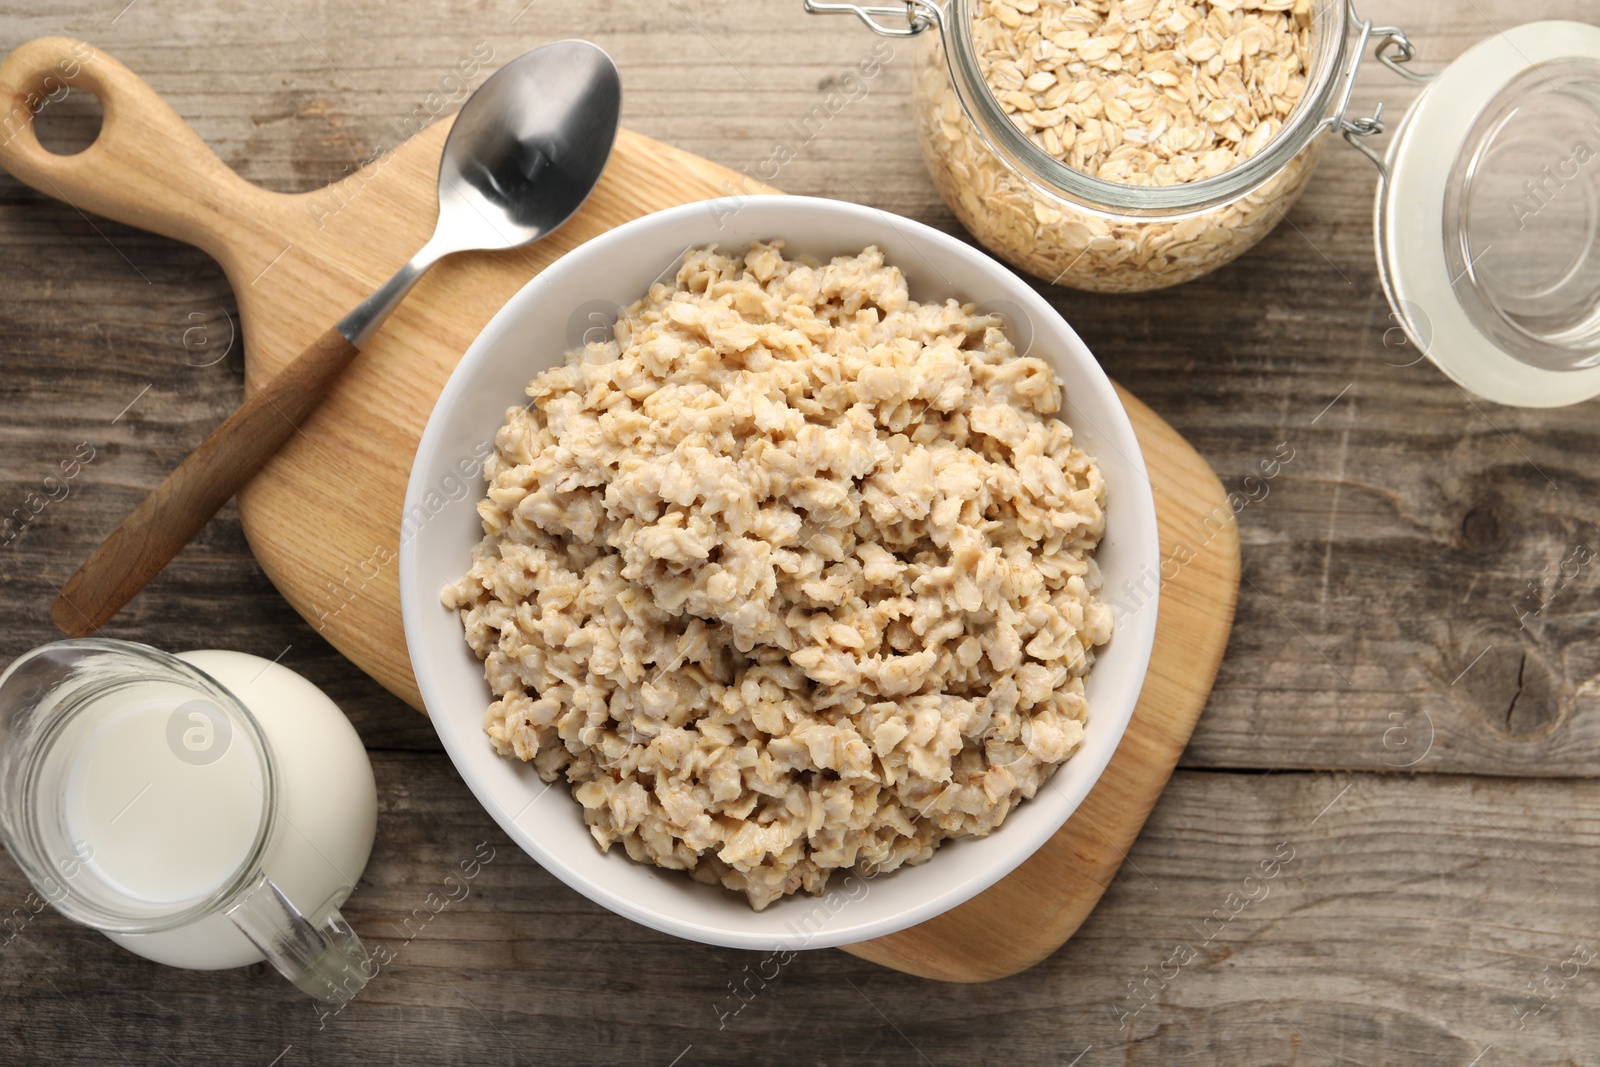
(1071, 228)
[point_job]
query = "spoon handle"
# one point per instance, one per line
(166, 520)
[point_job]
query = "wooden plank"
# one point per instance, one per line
(1404, 921)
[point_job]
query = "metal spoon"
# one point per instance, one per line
(523, 155)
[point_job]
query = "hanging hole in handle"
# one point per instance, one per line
(57, 105)
(68, 120)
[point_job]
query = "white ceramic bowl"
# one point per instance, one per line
(530, 334)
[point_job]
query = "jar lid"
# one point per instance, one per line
(1488, 225)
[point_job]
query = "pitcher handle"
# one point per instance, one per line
(326, 960)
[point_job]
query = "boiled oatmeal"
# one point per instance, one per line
(795, 574)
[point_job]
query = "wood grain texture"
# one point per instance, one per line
(1394, 543)
(207, 478)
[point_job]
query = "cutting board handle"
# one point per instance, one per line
(146, 167)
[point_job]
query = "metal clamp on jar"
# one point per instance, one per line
(1488, 260)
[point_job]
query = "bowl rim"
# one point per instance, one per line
(1141, 514)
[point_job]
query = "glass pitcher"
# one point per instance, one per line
(142, 798)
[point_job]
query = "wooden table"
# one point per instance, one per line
(1391, 712)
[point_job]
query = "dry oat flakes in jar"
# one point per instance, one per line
(1122, 145)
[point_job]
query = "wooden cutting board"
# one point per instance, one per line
(323, 518)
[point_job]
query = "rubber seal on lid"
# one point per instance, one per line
(1488, 228)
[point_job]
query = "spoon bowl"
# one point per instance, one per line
(522, 157)
(528, 146)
